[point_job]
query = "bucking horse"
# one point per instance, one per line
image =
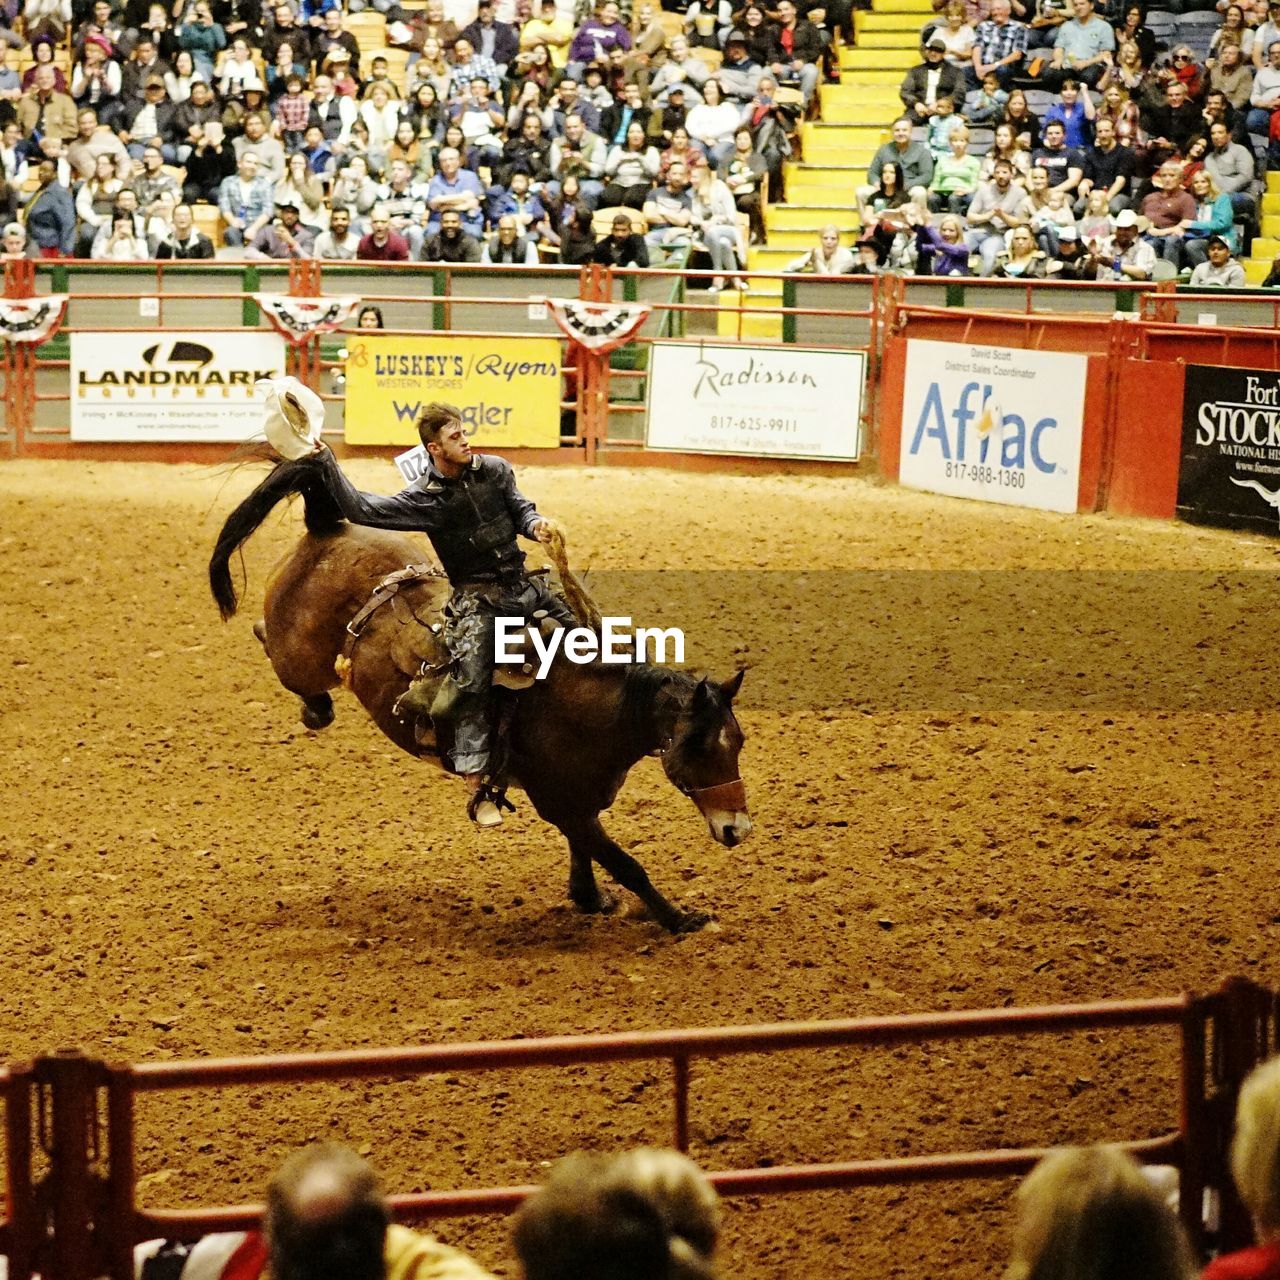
(570, 739)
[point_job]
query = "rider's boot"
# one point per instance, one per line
(481, 809)
(416, 700)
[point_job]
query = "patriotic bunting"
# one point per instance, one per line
(298, 318)
(598, 326)
(31, 319)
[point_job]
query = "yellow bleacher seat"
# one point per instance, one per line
(208, 221)
(602, 220)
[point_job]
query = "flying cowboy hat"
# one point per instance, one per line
(294, 416)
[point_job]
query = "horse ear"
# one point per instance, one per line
(733, 684)
(702, 699)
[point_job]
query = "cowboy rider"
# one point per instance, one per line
(469, 507)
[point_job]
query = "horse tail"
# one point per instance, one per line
(287, 478)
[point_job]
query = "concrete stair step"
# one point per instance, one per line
(1265, 248)
(795, 239)
(879, 59)
(826, 177)
(922, 7)
(1256, 270)
(891, 40)
(862, 94)
(785, 216)
(769, 257)
(1271, 225)
(1273, 180)
(843, 135)
(736, 318)
(1271, 202)
(871, 21)
(864, 77)
(876, 114)
(802, 194)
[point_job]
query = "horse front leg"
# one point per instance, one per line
(593, 841)
(584, 892)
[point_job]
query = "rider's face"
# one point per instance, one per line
(452, 447)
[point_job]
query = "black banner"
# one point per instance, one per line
(1230, 470)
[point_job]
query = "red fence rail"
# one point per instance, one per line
(90, 1219)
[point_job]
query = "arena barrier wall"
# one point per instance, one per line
(81, 1220)
(1137, 339)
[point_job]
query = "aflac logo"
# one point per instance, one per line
(976, 430)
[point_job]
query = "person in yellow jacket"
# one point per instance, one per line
(326, 1219)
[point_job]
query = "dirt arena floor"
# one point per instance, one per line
(994, 757)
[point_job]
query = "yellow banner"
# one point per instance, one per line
(507, 388)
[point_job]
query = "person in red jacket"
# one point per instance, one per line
(1255, 1162)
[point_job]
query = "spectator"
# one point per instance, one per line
(1023, 259)
(713, 123)
(1090, 1212)
(100, 22)
(1255, 1158)
(680, 68)
(355, 191)
(302, 187)
(1214, 218)
(529, 151)
(550, 30)
(284, 237)
(801, 46)
(203, 38)
(715, 219)
(93, 140)
(914, 161)
(579, 154)
(122, 243)
(616, 120)
(1141, 83)
(743, 172)
(508, 247)
(940, 128)
(940, 251)
(999, 47)
(405, 204)
(95, 82)
(1046, 17)
(1004, 147)
(955, 176)
(457, 188)
(452, 243)
(190, 118)
(1231, 167)
(1125, 255)
(255, 140)
(1084, 45)
(184, 240)
(1075, 112)
(885, 212)
(1232, 77)
(1125, 119)
(43, 109)
(956, 33)
(998, 207)
(13, 242)
(1064, 165)
(1169, 211)
(988, 106)
(1096, 224)
(1265, 95)
(329, 43)
(491, 39)
(932, 79)
(1133, 27)
(519, 202)
(210, 163)
(827, 258)
(382, 244)
(179, 81)
(1265, 36)
(291, 112)
(596, 38)
(406, 146)
(1108, 168)
(576, 237)
(645, 1213)
(1050, 220)
(1024, 122)
(47, 19)
(325, 1217)
(1234, 30)
(972, 12)
(95, 200)
(245, 202)
(739, 75)
(42, 53)
(1221, 271)
(339, 243)
(569, 100)
(142, 65)
(623, 246)
(668, 209)
(1073, 260)
(370, 317)
(153, 182)
(126, 206)
(1186, 71)
(630, 170)
(50, 216)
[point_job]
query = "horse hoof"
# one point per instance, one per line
(603, 904)
(690, 921)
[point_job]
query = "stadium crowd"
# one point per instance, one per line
(477, 132)
(1083, 1213)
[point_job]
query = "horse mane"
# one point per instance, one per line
(647, 688)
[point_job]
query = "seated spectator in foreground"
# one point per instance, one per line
(1255, 1159)
(508, 247)
(1124, 255)
(999, 206)
(451, 243)
(284, 237)
(623, 246)
(382, 244)
(1023, 259)
(1075, 112)
(1073, 261)
(955, 176)
(325, 1217)
(1000, 45)
(184, 239)
(1108, 170)
(338, 243)
(13, 242)
(50, 216)
(827, 258)
(1220, 271)
(940, 250)
(643, 1215)
(1084, 45)
(1169, 211)
(121, 243)
(914, 161)
(988, 107)
(1090, 1211)
(455, 188)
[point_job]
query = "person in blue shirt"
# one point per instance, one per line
(1075, 112)
(455, 188)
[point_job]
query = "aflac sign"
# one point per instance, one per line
(1000, 424)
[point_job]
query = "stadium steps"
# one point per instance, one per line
(1266, 246)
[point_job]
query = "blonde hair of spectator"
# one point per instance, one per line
(647, 1214)
(1089, 1213)
(1255, 1148)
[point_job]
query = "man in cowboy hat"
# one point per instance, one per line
(470, 508)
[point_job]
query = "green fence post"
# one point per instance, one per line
(788, 317)
(955, 295)
(438, 279)
(250, 316)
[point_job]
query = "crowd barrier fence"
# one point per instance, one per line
(1136, 338)
(80, 1219)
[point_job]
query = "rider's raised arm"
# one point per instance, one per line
(410, 510)
(523, 512)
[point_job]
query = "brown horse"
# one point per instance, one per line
(572, 737)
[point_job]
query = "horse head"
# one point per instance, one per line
(701, 759)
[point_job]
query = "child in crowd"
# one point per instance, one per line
(988, 107)
(1096, 225)
(1048, 220)
(941, 125)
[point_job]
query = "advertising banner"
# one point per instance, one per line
(171, 387)
(508, 389)
(1230, 469)
(996, 423)
(758, 401)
